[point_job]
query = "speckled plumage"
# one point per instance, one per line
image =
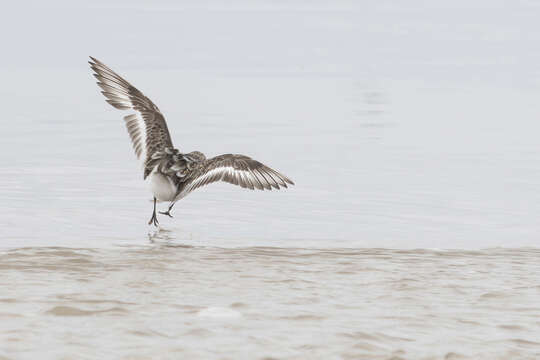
(174, 174)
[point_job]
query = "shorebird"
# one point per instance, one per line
(170, 173)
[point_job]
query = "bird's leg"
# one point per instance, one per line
(168, 212)
(153, 219)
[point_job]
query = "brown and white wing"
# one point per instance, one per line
(147, 128)
(239, 170)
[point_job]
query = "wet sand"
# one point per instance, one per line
(165, 300)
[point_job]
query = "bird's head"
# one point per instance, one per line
(197, 156)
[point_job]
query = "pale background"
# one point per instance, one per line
(403, 125)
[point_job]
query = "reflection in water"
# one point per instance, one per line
(369, 302)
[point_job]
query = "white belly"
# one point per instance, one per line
(162, 187)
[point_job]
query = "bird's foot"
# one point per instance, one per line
(153, 220)
(168, 213)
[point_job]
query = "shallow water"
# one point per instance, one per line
(411, 127)
(165, 300)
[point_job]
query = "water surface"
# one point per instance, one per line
(165, 301)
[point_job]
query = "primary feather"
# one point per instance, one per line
(147, 128)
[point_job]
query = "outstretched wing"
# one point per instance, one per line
(147, 128)
(238, 170)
